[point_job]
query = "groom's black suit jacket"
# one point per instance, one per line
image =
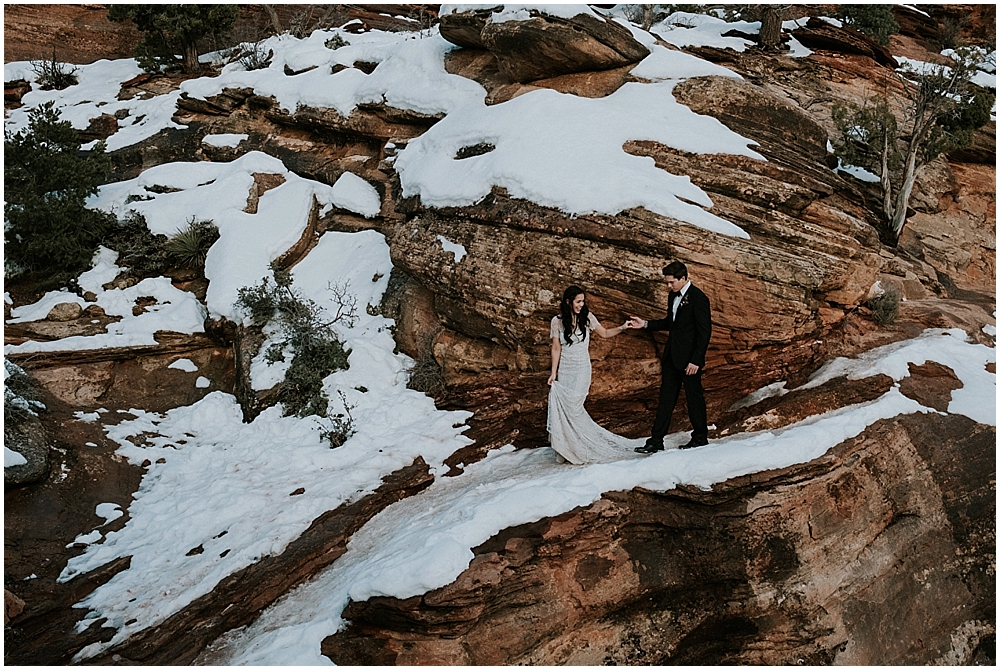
(690, 332)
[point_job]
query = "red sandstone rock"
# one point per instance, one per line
(781, 567)
(546, 46)
(818, 34)
(12, 606)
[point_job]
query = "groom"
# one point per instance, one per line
(689, 320)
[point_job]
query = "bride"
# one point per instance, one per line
(574, 436)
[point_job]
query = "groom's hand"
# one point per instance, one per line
(691, 369)
(636, 322)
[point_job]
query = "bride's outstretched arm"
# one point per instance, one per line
(610, 332)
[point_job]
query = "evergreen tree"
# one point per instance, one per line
(49, 232)
(174, 29)
(876, 21)
(942, 111)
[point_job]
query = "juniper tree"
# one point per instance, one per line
(170, 30)
(941, 111)
(876, 21)
(49, 231)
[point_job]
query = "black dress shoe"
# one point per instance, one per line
(692, 444)
(649, 448)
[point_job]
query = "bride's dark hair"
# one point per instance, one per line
(566, 313)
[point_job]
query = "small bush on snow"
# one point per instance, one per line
(53, 74)
(336, 42)
(253, 56)
(302, 329)
(341, 426)
(189, 247)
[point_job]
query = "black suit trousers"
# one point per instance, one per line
(670, 390)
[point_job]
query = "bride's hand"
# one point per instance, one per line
(552, 379)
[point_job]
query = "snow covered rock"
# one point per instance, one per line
(820, 34)
(465, 27)
(536, 43)
(757, 113)
(760, 570)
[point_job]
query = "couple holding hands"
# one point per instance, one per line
(578, 439)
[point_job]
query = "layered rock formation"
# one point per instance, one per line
(880, 552)
(542, 45)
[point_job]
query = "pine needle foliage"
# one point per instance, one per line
(876, 21)
(303, 330)
(139, 250)
(49, 232)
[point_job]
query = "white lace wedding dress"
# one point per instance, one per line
(572, 433)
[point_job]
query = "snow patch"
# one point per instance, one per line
(564, 151)
(857, 172)
(231, 140)
(450, 247)
(94, 95)
(687, 29)
(770, 391)
(12, 458)
(523, 12)
(184, 364)
(174, 310)
(109, 512)
(354, 194)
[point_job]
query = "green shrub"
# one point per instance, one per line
(336, 42)
(254, 57)
(139, 250)
(50, 234)
(885, 305)
(950, 31)
(876, 21)
(53, 74)
(426, 375)
(189, 247)
(341, 426)
(316, 350)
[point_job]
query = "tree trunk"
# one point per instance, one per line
(648, 13)
(903, 197)
(770, 28)
(273, 15)
(190, 64)
(886, 181)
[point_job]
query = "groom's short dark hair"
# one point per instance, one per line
(676, 270)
